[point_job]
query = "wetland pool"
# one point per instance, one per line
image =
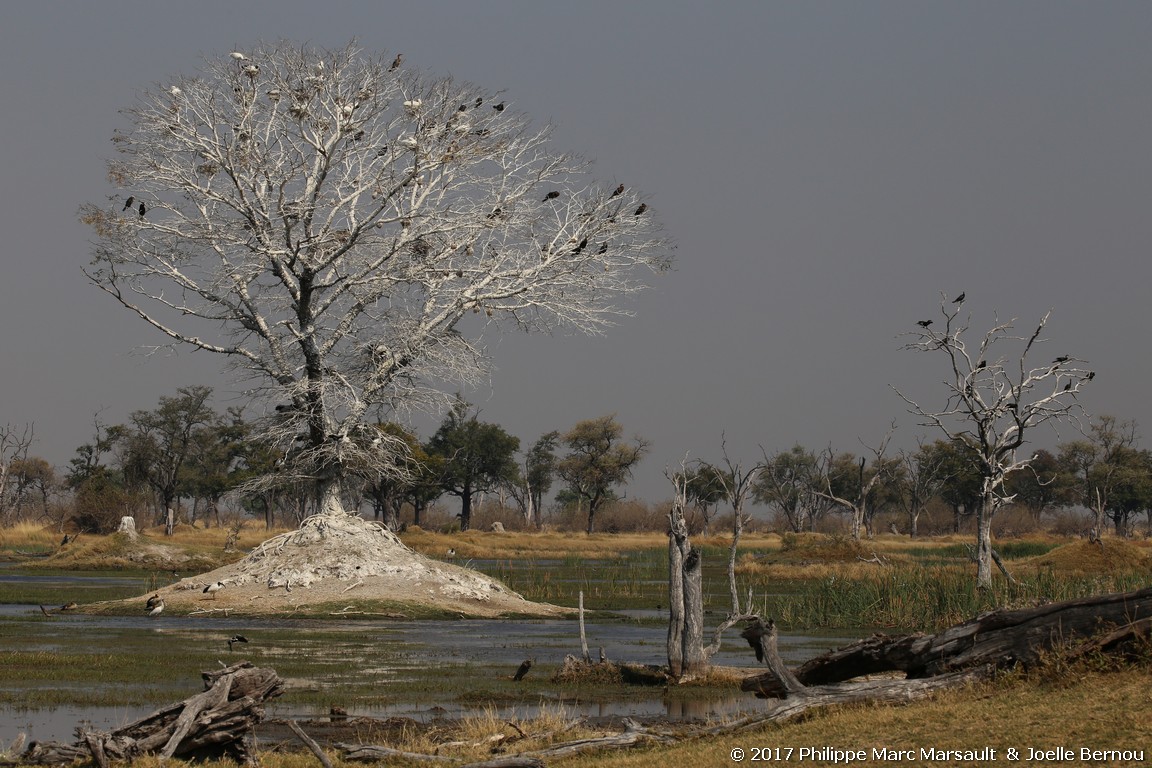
(105, 671)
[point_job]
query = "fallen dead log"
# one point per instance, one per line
(872, 691)
(212, 724)
(1125, 642)
(1002, 638)
(634, 735)
(374, 753)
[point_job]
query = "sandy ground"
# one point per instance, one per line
(339, 566)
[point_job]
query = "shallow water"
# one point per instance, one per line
(396, 659)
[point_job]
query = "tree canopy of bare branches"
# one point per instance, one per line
(343, 232)
(993, 399)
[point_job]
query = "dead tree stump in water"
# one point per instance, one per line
(212, 724)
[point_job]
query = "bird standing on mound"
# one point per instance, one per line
(236, 639)
(212, 589)
(157, 607)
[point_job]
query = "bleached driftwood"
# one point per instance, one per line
(211, 724)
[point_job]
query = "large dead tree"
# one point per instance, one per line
(327, 222)
(687, 655)
(993, 400)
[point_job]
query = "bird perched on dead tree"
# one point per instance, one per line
(617, 192)
(396, 62)
(128, 203)
(923, 323)
(552, 195)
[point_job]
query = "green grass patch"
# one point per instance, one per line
(54, 588)
(915, 598)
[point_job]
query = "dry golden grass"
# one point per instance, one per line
(29, 536)
(556, 544)
(1083, 557)
(1087, 709)
(813, 570)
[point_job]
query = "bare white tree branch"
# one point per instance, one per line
(993, 399)
(339, 229)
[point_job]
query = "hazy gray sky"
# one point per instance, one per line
(826, 168)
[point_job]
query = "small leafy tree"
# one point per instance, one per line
(159, 443)
(706, 487)
(477, 457)
(598, 459)
(793, 482)
(1105, 471)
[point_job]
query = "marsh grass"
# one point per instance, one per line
(915, 598)
(54, 588)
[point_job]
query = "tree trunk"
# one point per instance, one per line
(737, 529)
(329, 497)
(466, 507)
(675, 606)
(695, 662)
(984, 542)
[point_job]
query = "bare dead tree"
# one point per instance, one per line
(336, 227)
(993, 400)
(924, 473)
(738, 483)
(15, 441)
(687, 654)
(863, 484)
